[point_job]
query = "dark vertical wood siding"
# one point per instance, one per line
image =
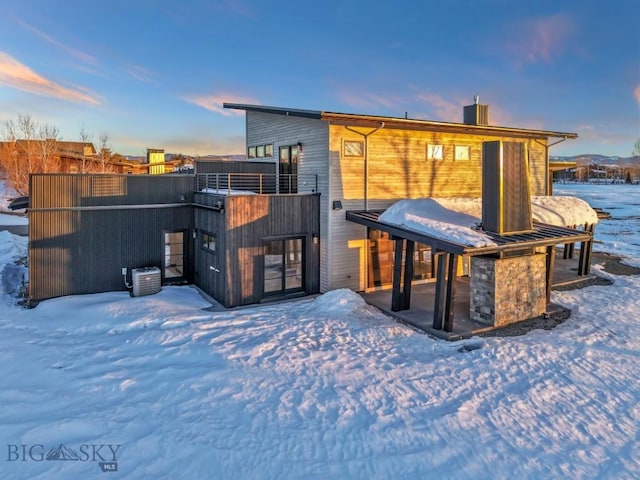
(212, 222)
(253, 218)
(213, 166)
(80, 237)
(71, 190)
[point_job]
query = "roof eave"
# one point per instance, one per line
(393, 122)
(295, 112)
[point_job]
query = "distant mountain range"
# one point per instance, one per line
(170, 156)
(595, 159)
(584, 159)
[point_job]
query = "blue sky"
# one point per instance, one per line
(154, 73)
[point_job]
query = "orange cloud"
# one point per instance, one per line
(14, 74)
(540, 40)
(636, 93)
(214, 102)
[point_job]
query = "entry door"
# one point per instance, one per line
(288, 169)
(173, 255)
(284, 266)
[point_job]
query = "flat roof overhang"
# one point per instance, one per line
(543, 235)
(373, 121)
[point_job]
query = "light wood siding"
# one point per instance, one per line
(398, 168)
(282, 130)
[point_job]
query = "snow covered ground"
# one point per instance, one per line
(619, 235)
(320, 388)
(7, 194)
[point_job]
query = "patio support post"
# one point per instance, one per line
(452, 270)
(441, 287)
(408, 275)
(397, 300)
(551, 256)
(584, 262)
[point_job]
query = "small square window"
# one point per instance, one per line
(260, 151)
(208, 242)
(462, 152)
(435, 152)
(268, 150)
(353, 148)
(252, 152)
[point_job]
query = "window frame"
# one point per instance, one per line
(206, 245)
(464, 158)
(251, 152)
(353, 142)
(431, 150)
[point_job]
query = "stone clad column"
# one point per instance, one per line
(507, 290)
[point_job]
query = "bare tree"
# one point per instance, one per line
(85, 137)
(104, 154)
(636, 148)
(48, 142)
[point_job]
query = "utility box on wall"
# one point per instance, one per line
(506, 197)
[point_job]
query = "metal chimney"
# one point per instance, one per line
(476, 114)
(506, 197)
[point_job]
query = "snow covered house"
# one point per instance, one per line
(304, 214)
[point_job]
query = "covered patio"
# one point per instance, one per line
(443, 307)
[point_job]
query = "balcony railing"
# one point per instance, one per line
(261, 183)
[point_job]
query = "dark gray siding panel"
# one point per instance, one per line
(266, 167)
(67, 190)
(210, 269)
(75, 252)
(84, 228)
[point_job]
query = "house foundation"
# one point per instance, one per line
(507, 290)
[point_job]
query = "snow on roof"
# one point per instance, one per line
(428, 216)
(563, 211)
(227, 191)
(457, 219)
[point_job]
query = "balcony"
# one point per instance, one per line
(255, 183)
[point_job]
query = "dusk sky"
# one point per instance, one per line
(154, 73)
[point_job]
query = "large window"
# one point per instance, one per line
(288, 169)
(283, 266)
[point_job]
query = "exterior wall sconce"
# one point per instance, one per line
(314, 238)
(299, 146)
(337, 205)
